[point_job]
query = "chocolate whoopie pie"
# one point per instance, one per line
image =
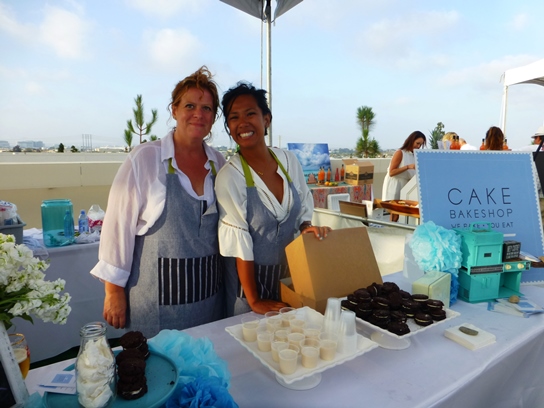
(362, 294)
(434, 304)
(346, 304)
(398, 316)
(423, 319)
(390, 287)
(410, 307)
(405, 295)
(131, 367)
(134, 340)
(395, 301)
(129, 353)
(132, 390)
(438, 315)
(398, 328)
(380, 303)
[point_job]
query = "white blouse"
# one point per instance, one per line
(230, 187)
(136, 201)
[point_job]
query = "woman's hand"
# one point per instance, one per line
(319, 232)
(410, 166)
(262, 306)
(115, 306)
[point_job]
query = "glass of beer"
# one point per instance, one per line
(21, 351)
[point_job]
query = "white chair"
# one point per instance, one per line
(333, 200)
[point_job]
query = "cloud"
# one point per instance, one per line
(166, 8)
(34, 88)
(409, 41)
(485, 77)
(171, 49)
(519, 22)
(65, 32)
(10, 25)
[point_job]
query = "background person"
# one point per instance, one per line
(263, 202)
(494, 138)
(536, 139)
(402, 168)
(161, 221)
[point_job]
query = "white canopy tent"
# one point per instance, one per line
(527, 74)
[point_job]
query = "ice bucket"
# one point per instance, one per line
(53, 213)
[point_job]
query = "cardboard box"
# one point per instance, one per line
(335, 267)
(349, 207)
(359, 173)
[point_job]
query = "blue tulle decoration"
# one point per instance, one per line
(436, 248)
(204, 392)
(203, 377)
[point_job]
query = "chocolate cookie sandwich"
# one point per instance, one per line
(134, 340)
(398, 328)
(423, 319)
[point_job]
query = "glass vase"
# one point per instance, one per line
(95, 368)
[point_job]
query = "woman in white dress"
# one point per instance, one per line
(402, 168)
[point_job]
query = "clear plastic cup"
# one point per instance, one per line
(309, 356)
(288, 361)
(331, 321)
(347, 335)
(264, 341)
(297, 325)
(273, 321)
(328, 343)
(287, 314)
(312, 330)
(249, 328)
(276, 347)
(281, 334)
(296, 339)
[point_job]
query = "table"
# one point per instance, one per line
(432, 372)
(73, 264)
(356, 193)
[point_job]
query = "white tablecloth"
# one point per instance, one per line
(71, 263)
(432, 372)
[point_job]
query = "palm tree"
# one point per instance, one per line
(142, 128)
(436, 135)
(366, 147)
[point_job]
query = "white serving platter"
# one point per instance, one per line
(393, 341)
(364, 345)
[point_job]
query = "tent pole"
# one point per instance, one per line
(268, 13)
(504, 109)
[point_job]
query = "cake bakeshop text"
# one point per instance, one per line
(486, 197)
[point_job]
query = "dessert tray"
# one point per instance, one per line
(393, 341)
(162, 377)
(302, 378)
(404, 206)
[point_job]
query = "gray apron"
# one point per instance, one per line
(270, 238)
(176, 280)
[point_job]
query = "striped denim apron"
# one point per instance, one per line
(176, 281)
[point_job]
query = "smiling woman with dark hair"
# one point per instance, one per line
(263, 202)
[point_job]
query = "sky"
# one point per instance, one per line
(73, 67)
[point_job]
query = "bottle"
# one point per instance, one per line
(68, 227)
(329, 175)
(342, 173)
(337, 175)
(91, 371)
(321, 176)
(455, 144)
(505, 145)
(482, 147)
(83, 222)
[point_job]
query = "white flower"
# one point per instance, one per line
(23, 290)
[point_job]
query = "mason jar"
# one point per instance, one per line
(96, 377)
